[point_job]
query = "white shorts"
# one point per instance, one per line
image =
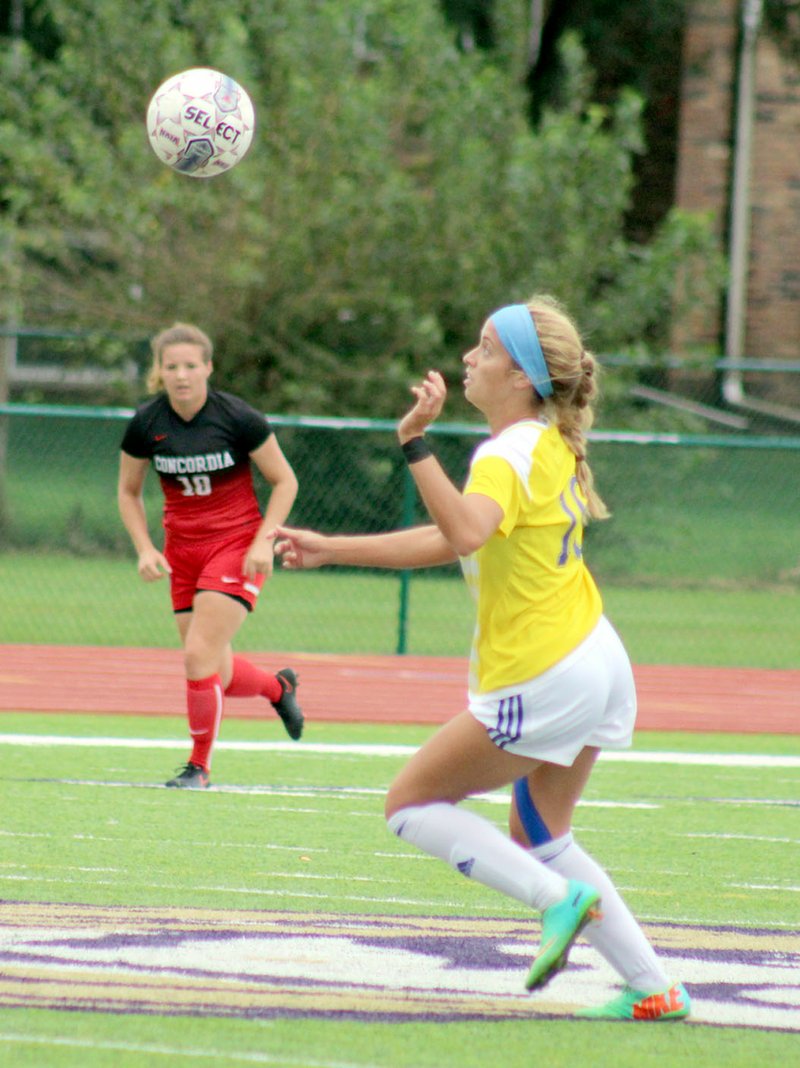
(588, 698)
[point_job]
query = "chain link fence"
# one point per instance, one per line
(689, 513)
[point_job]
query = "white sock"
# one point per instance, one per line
(617, 935)
(479, 850)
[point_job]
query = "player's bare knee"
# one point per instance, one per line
(199, 661)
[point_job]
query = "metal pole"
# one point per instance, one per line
(735, 313)
(409, 499)
(9, 304)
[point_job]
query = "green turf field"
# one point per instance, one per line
(60, 599)
(292, 836)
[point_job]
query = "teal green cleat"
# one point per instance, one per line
(672, 1004)
(561, 925)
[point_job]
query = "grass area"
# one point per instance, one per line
(132, 1042)
(707, 627)
(60, 599)
(698, 565)
(134, 852)
(693, 514)
(305, 836)
(697, 516)
(135, 1041)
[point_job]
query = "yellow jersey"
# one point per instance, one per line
(536, 600)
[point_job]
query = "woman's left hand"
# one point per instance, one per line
(260, 557)
(430, 395)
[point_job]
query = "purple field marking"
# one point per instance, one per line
(264, 964)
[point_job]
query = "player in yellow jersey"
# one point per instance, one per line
(550, 681)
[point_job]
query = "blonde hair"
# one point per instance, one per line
(574, 374)
(177, 334)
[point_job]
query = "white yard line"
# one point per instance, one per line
(325, 793)
(729, 760)
(150, 1050)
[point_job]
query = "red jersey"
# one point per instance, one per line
(203, 463)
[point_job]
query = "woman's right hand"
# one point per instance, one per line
(430, 395)
(153, 565)
(301, 550)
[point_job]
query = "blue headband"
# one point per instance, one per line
(515, 328)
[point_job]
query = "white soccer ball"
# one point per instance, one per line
(200, 122)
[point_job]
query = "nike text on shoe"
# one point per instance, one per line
(191, 777)
(287, 707)
(561, 925)
(672, 1004)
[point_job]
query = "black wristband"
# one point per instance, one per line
(416, 449)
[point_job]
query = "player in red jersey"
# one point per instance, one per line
(201, 443)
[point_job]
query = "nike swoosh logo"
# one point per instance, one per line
(227, 578)
(159, 437)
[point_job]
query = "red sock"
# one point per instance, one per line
(249, 681)
(204, 705)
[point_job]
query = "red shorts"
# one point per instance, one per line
(210, 565)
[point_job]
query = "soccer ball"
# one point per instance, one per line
(200, 122)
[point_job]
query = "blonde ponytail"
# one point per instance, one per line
(574, 373)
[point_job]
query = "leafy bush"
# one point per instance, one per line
(395, 193)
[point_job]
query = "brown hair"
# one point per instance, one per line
(574, 374)
(177, 334)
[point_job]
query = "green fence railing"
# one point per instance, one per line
(689, 512)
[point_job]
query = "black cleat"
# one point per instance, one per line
(287, 707)
(191, 777)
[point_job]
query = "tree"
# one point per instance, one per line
(394, 194)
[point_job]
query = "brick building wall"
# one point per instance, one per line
(704, 178)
